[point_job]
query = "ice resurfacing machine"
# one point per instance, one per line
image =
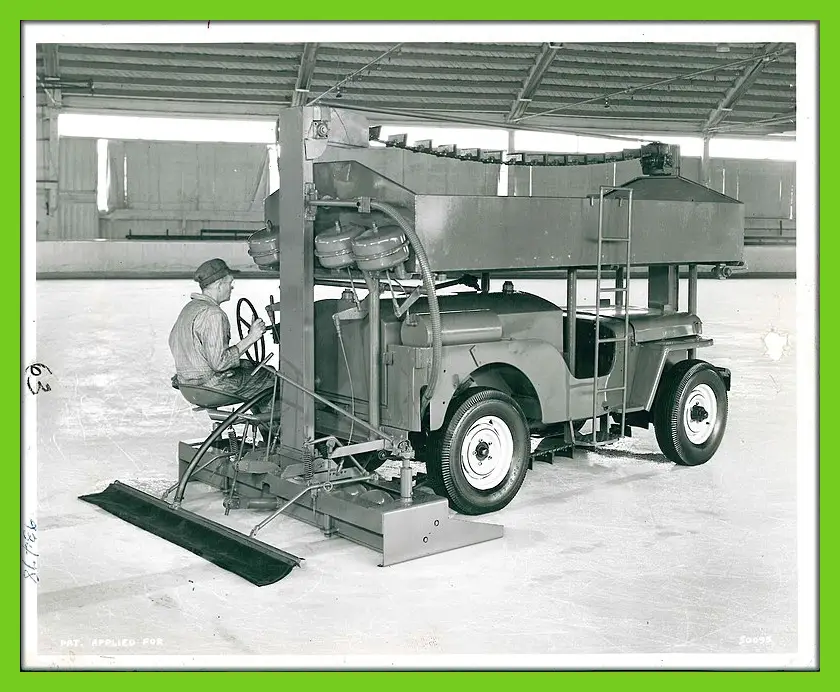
(400, 368)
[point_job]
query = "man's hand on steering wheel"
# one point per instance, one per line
(257, 329)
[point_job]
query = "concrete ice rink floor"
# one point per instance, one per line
(616, 552)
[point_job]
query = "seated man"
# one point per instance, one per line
(200, 340)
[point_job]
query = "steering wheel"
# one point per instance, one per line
(244, 326)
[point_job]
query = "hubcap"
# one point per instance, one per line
(487, 453)
(700, 414)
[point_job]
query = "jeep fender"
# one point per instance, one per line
(537, 360)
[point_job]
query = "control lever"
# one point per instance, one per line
(270, 312)
(260, 365)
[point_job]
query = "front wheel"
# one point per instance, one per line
(690, 413)
(482, 452)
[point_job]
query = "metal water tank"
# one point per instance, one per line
(333, 248)
(263, 247)
(380, 248)
(461, 327)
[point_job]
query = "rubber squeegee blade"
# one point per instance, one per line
(259, 563)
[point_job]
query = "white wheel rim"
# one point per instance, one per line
(487, 453)
(700, 414)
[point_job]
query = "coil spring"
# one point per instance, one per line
(233, 443)
(307, 463)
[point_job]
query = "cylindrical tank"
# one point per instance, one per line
(380, 248)
(262, 246)
(334, 247)
(463, 327)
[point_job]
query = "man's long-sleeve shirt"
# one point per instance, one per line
(200, 340)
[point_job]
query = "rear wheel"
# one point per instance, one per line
(480, 457)
(690, 413)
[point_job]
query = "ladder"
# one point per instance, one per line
(621, 289)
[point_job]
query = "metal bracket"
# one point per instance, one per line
(364, 205)
(320, 129)
(348, 315)
(400, 310)
(310, 194)
(359, 448)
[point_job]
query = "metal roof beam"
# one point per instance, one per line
(171, 57)
(557, 74)
(189, 108)
(305, 71)
(94, 68)
(779, 123)
(50, 79)
(588, 125)
(740, 86)
(101, 81)
(532, 81)
(51, 67)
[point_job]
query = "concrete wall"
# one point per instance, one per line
(179, 188)
(66, 206)
(143, 259)
(770, 260)
(128, 258)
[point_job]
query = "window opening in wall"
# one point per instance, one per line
(792, 202)
(719, 147)
(165, 129)
(273, 173)
(502, 189)
(103, 175)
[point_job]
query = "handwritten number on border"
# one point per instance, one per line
(33, 372)
(30, 564)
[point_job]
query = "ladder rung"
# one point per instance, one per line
(612, 340)
(611, 389)
(616, 240)
(612, 289)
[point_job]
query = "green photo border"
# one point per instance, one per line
(332, 10)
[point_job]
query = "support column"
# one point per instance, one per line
(692, 299)
(49, 100)
(511, 146)
(620, 282)
(663, 288)
(571, 319)
(297, 281)
(705, 173)
(375, 359)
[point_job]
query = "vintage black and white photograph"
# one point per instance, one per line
(419, 346)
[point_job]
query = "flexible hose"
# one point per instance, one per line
(426, 274)
(215, 435)
(429, 284)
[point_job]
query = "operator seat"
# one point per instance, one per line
(208, 399)
(205, 397)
